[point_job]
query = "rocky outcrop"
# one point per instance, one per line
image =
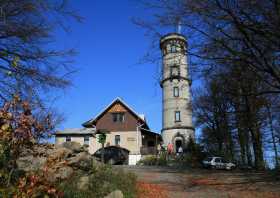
(115, 194)
(62, 162)
(59, 162)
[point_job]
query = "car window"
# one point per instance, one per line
(217, 160)
(224, 161)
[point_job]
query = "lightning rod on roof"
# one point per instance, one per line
(178, 25)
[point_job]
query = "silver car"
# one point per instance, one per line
(217, 163)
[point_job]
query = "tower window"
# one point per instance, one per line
(86, 140)
(117, 140)
(177, 116)
(118, 117)
(176, 91)
(173, 48)
(174, 71)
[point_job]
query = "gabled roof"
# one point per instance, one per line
(93, 121)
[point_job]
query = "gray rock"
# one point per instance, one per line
(59, 162)
(81, 161)
(60, 153)
(59, 173)
(115, 194)
(73, 146)
(30, 163)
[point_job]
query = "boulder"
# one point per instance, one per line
(30, 163)
(81, 161)
(115, 194)
(59, 173)
(60, 153)
(73, 146)
(58, 162)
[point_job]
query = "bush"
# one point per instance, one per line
(193, 155)
(153, 160)
(102, 181)
(150, 160)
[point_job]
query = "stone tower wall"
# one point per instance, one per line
(175, 74)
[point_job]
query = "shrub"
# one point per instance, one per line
(150, 160)
(18, 129)
(102, 181)
(153, 160)
(194, 155)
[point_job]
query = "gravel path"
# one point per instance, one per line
(208, 183)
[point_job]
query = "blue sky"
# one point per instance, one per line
(109, 46)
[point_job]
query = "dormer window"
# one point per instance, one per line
(118, 117)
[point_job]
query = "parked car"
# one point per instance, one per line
(217, 163)
(113, 155)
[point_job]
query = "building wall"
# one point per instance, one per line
(171, 135)
(182, 103)
(106, 122)
(76, 138)
(172, 104)
(128, 140)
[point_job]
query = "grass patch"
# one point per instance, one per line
(103, 181)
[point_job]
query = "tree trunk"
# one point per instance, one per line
(273, 137)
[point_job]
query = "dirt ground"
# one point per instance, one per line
(179, 183)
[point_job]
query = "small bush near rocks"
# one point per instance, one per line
(150, 160)
(102, 181)
(153, 160)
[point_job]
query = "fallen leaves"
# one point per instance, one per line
(146, 190)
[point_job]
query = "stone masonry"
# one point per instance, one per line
(176, 97)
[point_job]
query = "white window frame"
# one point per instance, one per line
(177, 115)
(176, 92)
(119, 140)
(86, 140)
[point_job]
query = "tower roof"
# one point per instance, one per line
(172, 36)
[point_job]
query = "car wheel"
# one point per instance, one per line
(111, 162)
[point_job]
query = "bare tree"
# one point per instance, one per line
(222, 32)
(29, 64)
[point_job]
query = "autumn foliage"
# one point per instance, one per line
(19, 129)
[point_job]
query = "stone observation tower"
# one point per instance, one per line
(176, 98)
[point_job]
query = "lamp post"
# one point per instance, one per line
(137, 139)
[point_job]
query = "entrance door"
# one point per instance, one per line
(178, 143)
